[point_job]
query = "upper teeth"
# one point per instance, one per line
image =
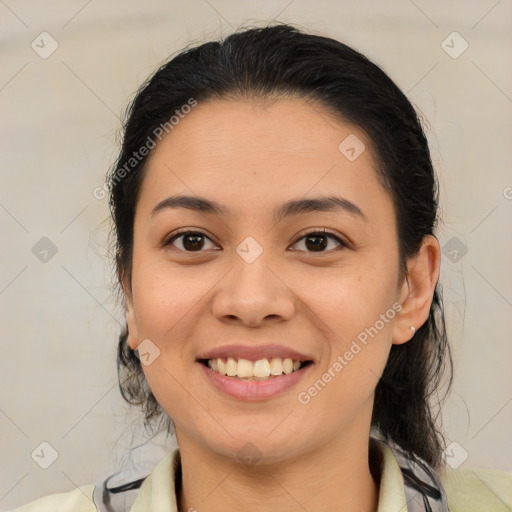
(245, 369)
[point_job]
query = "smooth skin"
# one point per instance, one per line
(251, 156)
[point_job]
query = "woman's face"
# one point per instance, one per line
(252, 279)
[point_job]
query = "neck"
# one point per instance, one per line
(335, 476)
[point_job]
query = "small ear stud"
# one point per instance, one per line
(412, 328)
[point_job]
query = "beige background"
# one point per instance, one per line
(60, 116)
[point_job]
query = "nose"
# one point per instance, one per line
(252, 293)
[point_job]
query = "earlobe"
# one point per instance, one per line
(417, 291)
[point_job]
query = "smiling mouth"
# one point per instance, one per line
(262, 369)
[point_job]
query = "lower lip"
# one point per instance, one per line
(255, 389)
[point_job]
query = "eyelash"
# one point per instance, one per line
(317, 231)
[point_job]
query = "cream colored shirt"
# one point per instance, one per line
(467, 490)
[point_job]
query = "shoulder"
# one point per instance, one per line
(117, 492)
(78, 500)
(474, 490)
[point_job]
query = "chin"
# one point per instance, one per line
(256, 448)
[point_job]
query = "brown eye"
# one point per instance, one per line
(317, 241)
(192, 241)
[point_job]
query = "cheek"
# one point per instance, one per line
(345, 389)
(162, 298)
(350, 299)
(356, 314)
(168, 302)
(357, 319)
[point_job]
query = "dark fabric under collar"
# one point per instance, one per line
(423, 489)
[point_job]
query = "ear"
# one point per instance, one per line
(131, 322)
(417, 290)
(130, 311)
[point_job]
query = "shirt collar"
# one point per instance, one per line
(157, 493)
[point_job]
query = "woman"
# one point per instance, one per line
(274, 205)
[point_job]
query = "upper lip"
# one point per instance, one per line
(254, 352)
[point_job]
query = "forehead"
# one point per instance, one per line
(290, 127)
(254, 153)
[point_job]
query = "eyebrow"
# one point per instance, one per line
(287, 209)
